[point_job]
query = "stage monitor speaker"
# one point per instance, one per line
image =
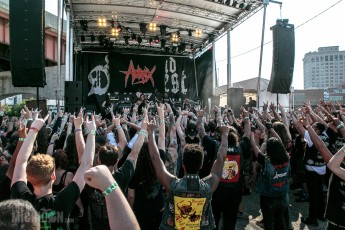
(283, 57)
(27, 43)
(235, 100)
(73, 93)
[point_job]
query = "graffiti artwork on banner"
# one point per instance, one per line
(98, 77)
(139, 76)
(170, 72)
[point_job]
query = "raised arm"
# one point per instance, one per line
(122, 216)
(120, 133)
(180, 132)
(22, 137)
(199, 124)
(246, 129)
(19, 173)
(88, 155)
(335, 163)
(255, 148)
(298, 125)
(217, 168)
(161, 137)
(133, 155)
(164, 177)
(317, 142)
(78, 134)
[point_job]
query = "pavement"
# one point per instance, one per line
(252, 214)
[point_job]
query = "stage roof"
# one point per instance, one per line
(180, 18)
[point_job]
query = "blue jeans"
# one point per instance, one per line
(274, 211)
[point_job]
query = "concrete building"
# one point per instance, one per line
(324, 68)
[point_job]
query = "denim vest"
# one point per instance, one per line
(273, 181)
(188, 205)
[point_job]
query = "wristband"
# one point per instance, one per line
(93, 132)
(110, 189)
(245, 118)
(51, 143)
(118, 127)
(143, 132)
(341, 125)
(21, 139)
(77, 130)
(35, 129)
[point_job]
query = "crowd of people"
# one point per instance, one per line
(155, 166)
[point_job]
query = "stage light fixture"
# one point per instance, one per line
(163, 30)
(114, 32)
(211, 38)
(102, 22)
(156, 39)
(112, 24)
(198, 33)
(134, 37)
(126, 39)
(151, 41)
(140, 40)
(83, 25)
(241, 6)
(190, 33)
(163, 43)
(191, 46)
(175, 37)
(152, 26)
(234, 4)
(142, 27)
(82, 38)
(248, 7)
(101, 40)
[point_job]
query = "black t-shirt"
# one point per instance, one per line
(5, 189)
(99, 215)
(54, 210)
(211, 147)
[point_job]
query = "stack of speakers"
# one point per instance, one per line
(73, 96)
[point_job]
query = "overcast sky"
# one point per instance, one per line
(326, 29)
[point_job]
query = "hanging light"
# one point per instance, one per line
(152, 26)
(198, 33)
(102, 22)
(114, 32)
(175, 37)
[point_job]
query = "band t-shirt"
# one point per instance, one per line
(54, 210)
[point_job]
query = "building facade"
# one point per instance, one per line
(324, 68)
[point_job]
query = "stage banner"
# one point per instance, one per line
(204, 76)
(104, 73)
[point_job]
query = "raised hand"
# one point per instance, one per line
(224, 129)
(78, 121)
(39, 122)
(99, 177)
(150, 127)
(28, 113)
(90, 125)
(21, 130)
(35, 113)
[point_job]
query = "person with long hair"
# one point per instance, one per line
(145, 193)
(273, 184)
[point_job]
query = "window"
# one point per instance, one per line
(326, 58)
(331, 58)
(335, 57)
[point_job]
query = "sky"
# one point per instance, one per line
(326, 29)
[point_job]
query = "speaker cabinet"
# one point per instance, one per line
(27, 43)
(283, 57)
(73, 93)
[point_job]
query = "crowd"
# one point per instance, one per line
(155, 166)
